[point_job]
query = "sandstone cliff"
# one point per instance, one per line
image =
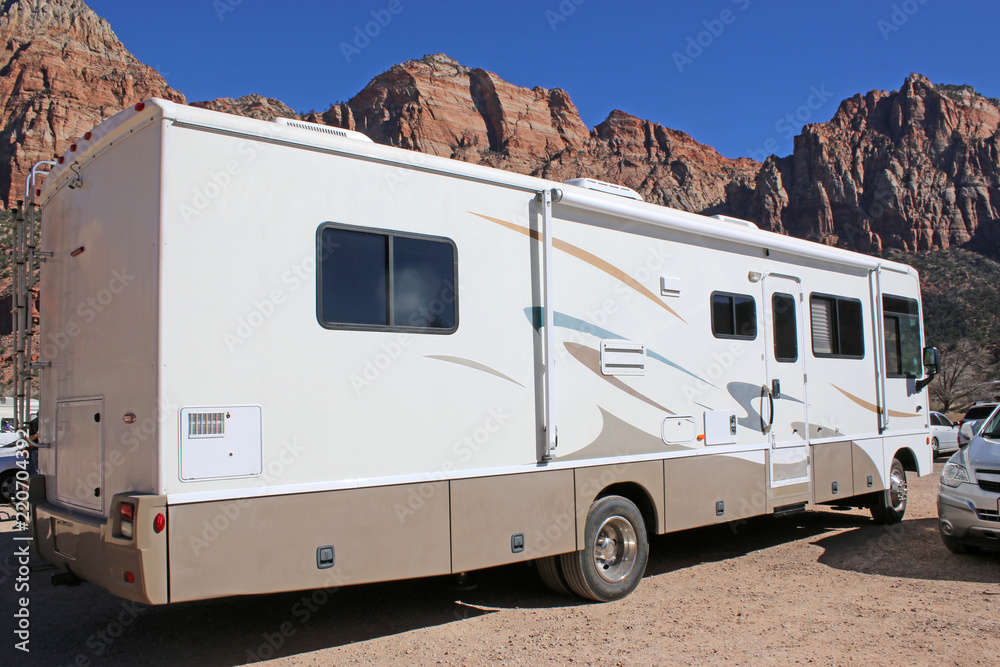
(62, 72)
(435, 105)
(914, 169)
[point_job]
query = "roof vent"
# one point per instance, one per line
(325, 129)
(609, 188)
(736, 221)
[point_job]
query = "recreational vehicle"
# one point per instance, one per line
(278, 356)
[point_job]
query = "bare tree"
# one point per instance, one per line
(964, 375)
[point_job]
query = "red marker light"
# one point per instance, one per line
(129, 418)
(38, 193)
(140, 106)
(72, 149)
(60, 159)
(159, 523)
(129, 578)
(87, 136)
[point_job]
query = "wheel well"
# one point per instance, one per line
(639, 497)
(906, 457)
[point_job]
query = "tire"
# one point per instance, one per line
(890, 505)
(8, 486)
(550, 570)
(615, 552)
(935, 447)
(957, 547)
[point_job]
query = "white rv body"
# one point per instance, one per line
(188, 370)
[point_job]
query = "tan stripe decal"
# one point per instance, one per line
(469, 363)
(591, 358)
(871, 406)
(589, 258)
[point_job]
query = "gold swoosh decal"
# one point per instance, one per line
(469, 363)
(589, 258)
(591, 358)
(871, 406)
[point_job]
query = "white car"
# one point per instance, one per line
(11, 461)
(944, 434)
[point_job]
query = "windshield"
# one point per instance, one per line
(991, 429)
(979, 412)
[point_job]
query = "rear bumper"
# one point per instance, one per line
(91, 548)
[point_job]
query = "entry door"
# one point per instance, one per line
(785, 390)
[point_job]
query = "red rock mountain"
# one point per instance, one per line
(62, 72)
(914, 169)
(435, 105)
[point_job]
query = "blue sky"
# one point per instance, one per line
(740, 75)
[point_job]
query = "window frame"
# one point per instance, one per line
(732, 305)
(389, 234)
(835, 327)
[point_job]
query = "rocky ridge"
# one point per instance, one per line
(62, 72)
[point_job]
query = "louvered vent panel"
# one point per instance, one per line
(206, 424)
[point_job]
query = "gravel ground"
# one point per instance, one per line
(824, 587)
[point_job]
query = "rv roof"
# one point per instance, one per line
(610, 188)
(325, 129)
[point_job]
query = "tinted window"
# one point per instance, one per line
(837, 327)
(979, 412)
(734, 316)
(354, 277)
(786, 344)
(383, 280)
(902, 337)
(423, 287)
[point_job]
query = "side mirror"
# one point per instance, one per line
(932, 360)
(932, 363)
(967, 431)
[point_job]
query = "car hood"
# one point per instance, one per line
(983, 453)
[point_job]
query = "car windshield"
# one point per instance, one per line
(991, 429)
(979, 412)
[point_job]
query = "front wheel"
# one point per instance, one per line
(890, 505)
(616, 548)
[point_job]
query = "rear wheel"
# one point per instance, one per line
(935, 447)
(550, 569)
(616, 548)
(890, 505)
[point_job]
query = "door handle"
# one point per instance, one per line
(764, 391)
(776, 388)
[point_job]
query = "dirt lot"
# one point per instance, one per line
(825, 587)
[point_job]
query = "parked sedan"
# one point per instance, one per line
(944, 434)
(969, 493)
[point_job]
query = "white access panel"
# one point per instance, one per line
(220, 442)
(720, 427)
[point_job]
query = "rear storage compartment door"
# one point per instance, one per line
(79, 453)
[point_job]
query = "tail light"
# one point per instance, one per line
(126, 512)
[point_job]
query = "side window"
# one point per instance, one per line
(734, 316)
(377, 280)
(902, 337)
(837, 327)
(786, 335)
